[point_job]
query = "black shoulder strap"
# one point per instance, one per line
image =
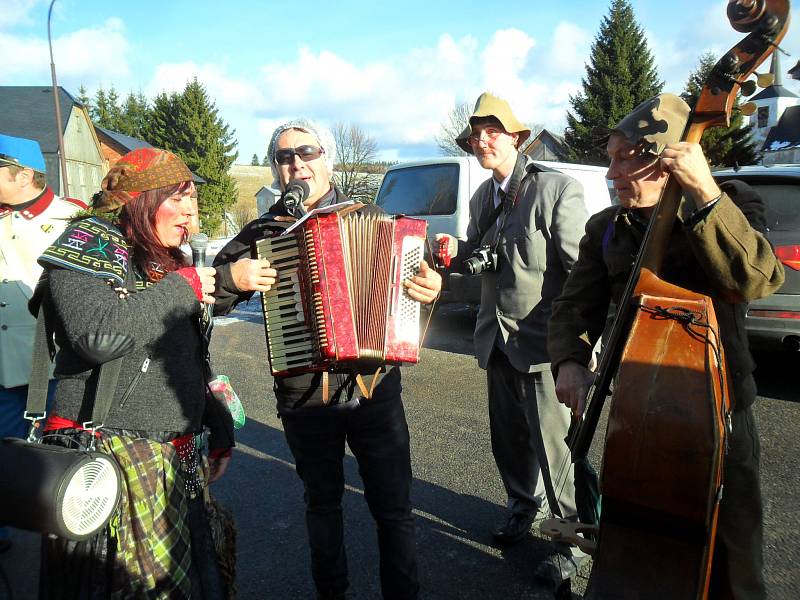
(40, 371)
(517, 177)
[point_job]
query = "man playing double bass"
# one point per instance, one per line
(716, 248)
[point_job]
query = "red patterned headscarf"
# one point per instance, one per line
(139, 171)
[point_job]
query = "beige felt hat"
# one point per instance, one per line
(489, 105)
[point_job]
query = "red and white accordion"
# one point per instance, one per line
(339, 299)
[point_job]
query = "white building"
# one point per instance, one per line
(771, 103)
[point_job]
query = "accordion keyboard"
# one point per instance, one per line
(289, 339)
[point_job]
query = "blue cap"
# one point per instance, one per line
(21, 152)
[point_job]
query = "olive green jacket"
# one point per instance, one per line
(723, 255)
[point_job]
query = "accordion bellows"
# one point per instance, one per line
(339, 300)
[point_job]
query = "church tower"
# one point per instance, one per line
(771, 102)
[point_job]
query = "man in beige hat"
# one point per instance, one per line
(523, 235)
(718, 249)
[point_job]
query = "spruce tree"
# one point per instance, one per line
(254, 160)
(134, 116)
(620, 74)
(106, 111)
(265, 161)
(163, 119)
(723, 146)
(114, 110)
(83, 97)
(100, 113)
(188, 124)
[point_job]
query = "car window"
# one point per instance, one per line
(783, 205)
(420, 191)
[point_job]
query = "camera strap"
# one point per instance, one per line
(508, 202)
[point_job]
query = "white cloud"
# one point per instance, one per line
(224, 89)
(504, 58)
(569, 51)
(400, 100)
(89, 56)
(16, 12)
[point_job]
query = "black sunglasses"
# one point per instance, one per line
(285, 156)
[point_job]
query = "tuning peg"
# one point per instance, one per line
(748, 87)
(765, 80)
(748, 108)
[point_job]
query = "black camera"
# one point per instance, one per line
(482, 259)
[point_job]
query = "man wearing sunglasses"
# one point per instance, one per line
(530, 222)
(717, 248)
(375, 429)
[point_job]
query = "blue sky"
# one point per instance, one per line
(394, 68)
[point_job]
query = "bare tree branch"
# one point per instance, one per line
(355, 151)
(242, 213)
(456, 121)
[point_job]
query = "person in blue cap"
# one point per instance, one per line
(31, 218)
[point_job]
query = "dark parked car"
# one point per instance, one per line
(774, 322)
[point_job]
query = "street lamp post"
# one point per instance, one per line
(61, 156)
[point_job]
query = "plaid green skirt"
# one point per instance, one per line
(145, 551)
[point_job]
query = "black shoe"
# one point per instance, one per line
(558, 569)
(516, 528)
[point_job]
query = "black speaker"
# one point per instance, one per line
(66, 491)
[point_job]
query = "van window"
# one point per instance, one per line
(420, 191)
(781, 202)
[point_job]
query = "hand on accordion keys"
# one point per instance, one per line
(425, 285)
(253, 275)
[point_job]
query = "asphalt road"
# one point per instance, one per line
(457, 495)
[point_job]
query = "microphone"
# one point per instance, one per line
(296, 191)
(198, 242)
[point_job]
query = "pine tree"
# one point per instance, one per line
(106, 111)
(189, 125)
(114, 110)
(100, 112)
(265, 161)
(83, 97)
(254, 160)
(163, 120)
(134, 115)
(723, 146)
(621, 74)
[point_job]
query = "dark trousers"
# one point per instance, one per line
(204, 573)
(377, 434)
(737, 567)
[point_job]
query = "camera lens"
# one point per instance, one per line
(474, 265)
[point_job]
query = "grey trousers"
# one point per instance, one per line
(528, 426)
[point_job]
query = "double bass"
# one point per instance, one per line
(661, 476)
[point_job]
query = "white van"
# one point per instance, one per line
(439, 189)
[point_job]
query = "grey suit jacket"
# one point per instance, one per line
(538, 245)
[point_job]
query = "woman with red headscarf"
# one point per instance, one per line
(157, 544)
